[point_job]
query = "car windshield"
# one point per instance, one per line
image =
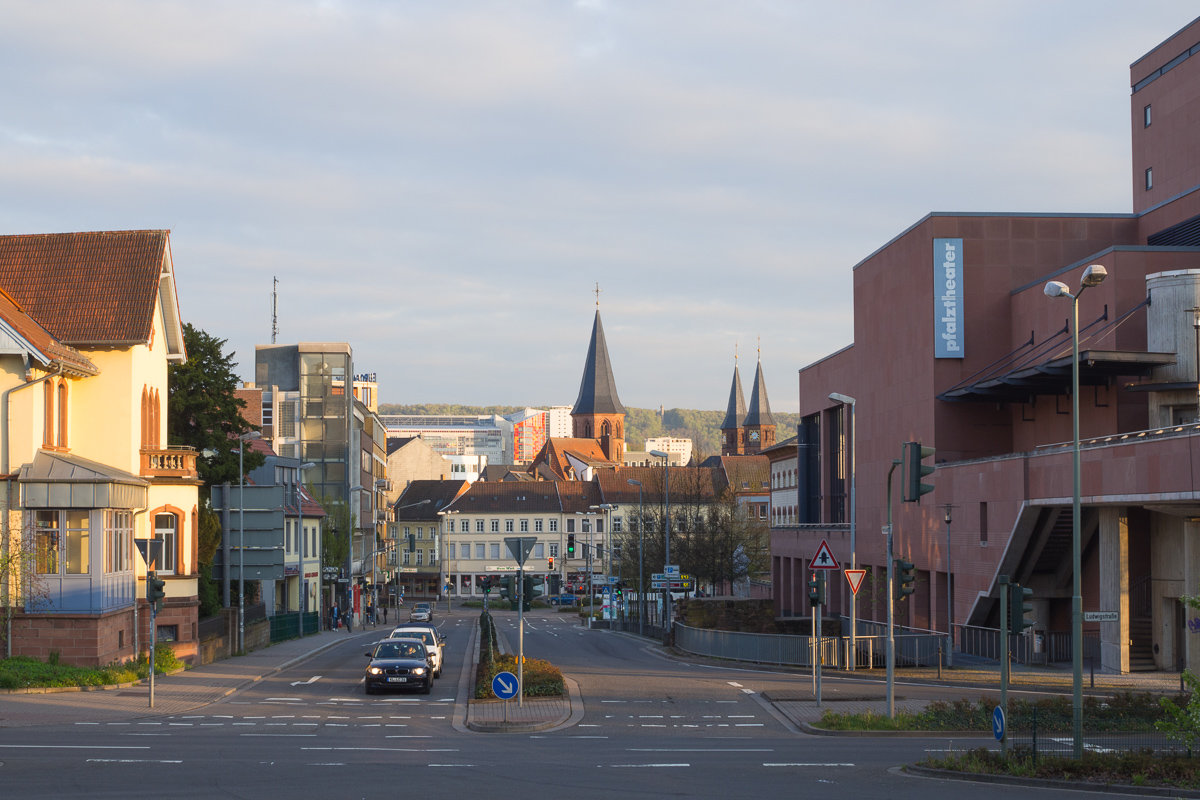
(399, 650)
(424, 636)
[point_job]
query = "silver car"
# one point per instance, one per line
(421, 612)
(429, 636)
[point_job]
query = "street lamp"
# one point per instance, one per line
(846, 399)
(1094, 275)
(349, 612)
(666, 530)
(607, 539)
(301, 594)
(641, 560)
(242, 439)
(949, 593)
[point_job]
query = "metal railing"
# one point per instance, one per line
(1030, 647)
(913, 648)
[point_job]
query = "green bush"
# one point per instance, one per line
(22, 672)
(1139, 768)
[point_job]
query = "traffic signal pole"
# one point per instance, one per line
(521, 635)
(891, 630)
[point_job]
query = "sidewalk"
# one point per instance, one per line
(173, 694)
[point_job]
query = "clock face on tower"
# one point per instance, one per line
(754, 436)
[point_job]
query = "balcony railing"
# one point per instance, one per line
(170, 462)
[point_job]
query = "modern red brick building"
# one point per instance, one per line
(956, 345)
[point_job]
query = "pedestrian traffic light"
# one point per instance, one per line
(915, 469)
(155, 591)
(816, 591)
(908, 577)
(550, 563)
(570, 545)
(1020, 606)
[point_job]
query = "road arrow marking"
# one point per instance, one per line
(313, 679)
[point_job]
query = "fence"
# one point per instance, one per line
(1053, 647)
(912, 648)
(294, 625)
(1045, 729)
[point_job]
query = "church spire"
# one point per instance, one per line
(759, 423)
(732, 441)
(598, 413)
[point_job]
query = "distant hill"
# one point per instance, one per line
(702, 427)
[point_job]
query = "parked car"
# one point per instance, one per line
(399, 664)
(428, 636)
(421, 612)
(563, 600)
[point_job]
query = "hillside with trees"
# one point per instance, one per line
(702, 427)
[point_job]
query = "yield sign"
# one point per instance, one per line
(855, 577)
(824, 558)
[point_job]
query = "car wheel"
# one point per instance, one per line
(369, 688)
(438, 674)
(428, 686)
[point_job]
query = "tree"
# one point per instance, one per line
(202, 410)
(21, 583)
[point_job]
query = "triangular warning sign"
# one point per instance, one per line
(824, 558)
(855, 578)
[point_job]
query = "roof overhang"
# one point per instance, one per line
(62, 480)
(1096, 368)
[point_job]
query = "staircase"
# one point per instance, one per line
(1141, 645)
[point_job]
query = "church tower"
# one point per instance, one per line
(733, 440)
(598, 413)
(759, 424)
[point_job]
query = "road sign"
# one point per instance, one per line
(613, 580)
(998, 723)
(1101, 616)
(520, 547)
(855, 578)
(658, 576)
(505, 685)
(151, 550)
(671, 570)
(823, 559)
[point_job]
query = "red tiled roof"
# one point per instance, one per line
(87, 288)
(485, 497)
(71, 359)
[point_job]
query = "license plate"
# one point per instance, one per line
(397, 680)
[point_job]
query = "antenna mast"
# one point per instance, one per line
(274, 308)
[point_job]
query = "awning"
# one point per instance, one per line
(1096, 368)
(62, 480)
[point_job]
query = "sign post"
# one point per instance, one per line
(520, 547)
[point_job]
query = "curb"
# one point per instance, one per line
(1049, 783)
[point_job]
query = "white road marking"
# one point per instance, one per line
(627, 766)
(805, 764)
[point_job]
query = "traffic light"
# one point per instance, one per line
(550, 563)
(526, 593)
(485, 583)
(915, 469)
(412, 542)
(155, 591)
(1020, 606)
(908, 577)
(570, 545)
(816, 591)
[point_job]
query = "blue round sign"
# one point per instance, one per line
(505, 686)
(998, 723)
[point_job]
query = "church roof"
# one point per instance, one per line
(598, 389)
(760, 407)
(736, 411)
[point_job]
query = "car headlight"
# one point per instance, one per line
(418, 671)
(374, 671)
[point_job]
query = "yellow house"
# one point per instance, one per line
(88, 324)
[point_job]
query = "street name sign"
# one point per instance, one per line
(1101, 616)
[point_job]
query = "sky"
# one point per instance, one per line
(444, 184)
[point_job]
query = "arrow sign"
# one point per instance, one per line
(504, 685)
(998, 723)
(855, 578)
(824, 558)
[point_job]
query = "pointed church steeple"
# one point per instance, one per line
(598, 413)
(732, 441)
(759, 423)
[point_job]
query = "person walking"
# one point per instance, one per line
(333, 618)
(349, 620)
(385, 609)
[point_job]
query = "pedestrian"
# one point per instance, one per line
(349, 621)
(385, 608)
(333, 618)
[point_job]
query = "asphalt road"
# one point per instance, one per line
(653, 727)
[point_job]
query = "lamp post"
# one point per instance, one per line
(606, 541)
(1094, 275)
(666, 532)
(641, 560)
(846, 399)
(949, 593)
(349, 612)
(301, 594)
(242, 439)
(1195, 311)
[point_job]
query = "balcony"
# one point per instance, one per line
(170, 462)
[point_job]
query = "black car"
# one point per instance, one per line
(399, 664)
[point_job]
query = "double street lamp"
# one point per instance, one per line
(641, 560)
(666, 531)
(1092, 276)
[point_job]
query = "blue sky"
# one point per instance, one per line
(442, 184)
